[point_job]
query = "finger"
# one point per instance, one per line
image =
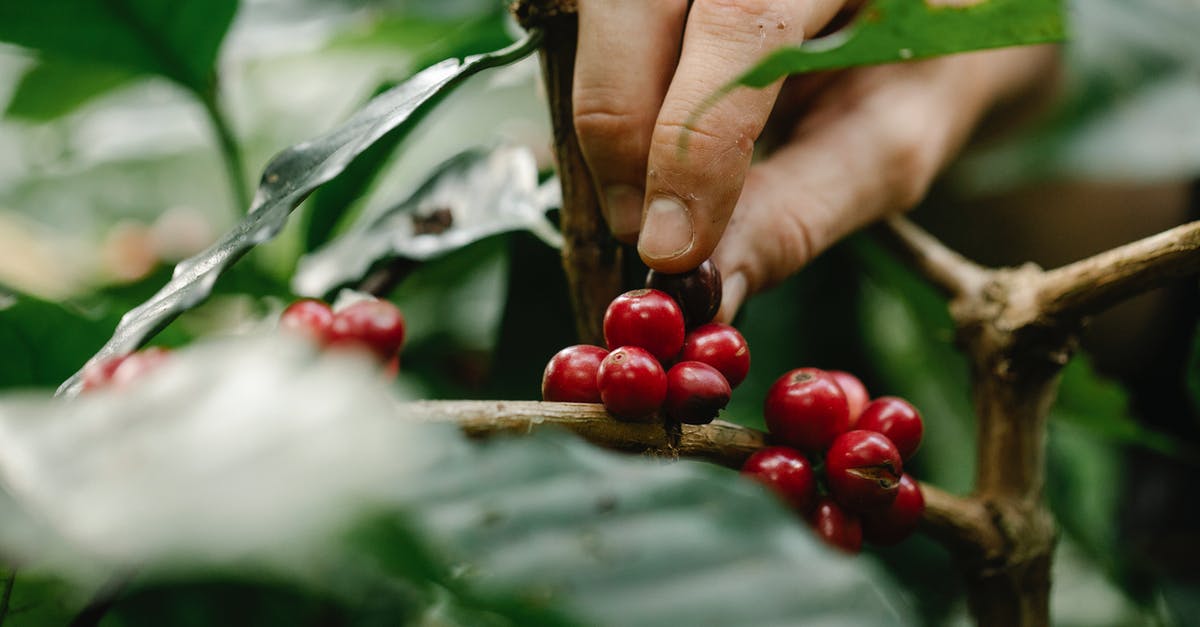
(696, 166)
(626, 53)
(871, 146)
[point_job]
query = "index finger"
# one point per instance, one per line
(696, 168)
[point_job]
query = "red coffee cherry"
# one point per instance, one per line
(646, 319)
(839, 528)
(570, 376)
(632, 384)
(697, 292)
(900, 519)
(376, 325)
(863, 470)
(898, 420)
(309, 317)
(696, 392)
(806, 409)
(98, 374)
(787, 472)
(720, 346)
(856, 393)
(118, 372)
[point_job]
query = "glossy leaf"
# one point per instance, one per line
(287, 180)
(178, 40)
(899, 30)
(333, 201)
(254, 453)
(51, 89)
(474, 195)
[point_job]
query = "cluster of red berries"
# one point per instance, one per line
(863, 444)
(663, 354)
(371, 324)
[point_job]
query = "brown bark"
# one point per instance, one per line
(591, 257)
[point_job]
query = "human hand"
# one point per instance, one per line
(864, 142)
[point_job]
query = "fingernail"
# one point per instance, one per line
(623, 210)
(733, 292)
(667, 232)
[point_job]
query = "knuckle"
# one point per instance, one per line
(593, 120)
(737, 9)
(676, 140)
(910, 162)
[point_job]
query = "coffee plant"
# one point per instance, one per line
(331, 413)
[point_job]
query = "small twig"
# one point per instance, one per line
(231, 154)
(949, 271)
(1098, 282)
(957, 522)
(964, 525)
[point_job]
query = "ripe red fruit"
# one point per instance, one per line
(787, 472)
(900, 519)
(806, 409)
(863, 470)
(646, 319)
(570, 375)
(632, 383)
(697, 292)
(696, 392)
(720, 346)
(836, 526)
(898, 420)
(374, 324)
(856, 393)
(309, 317)
(119, 372)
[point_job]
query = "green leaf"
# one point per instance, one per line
(333, 201)
(1090, 402)
(473, 195)
(45, 342)
(178, 39)
(54, 87)
(286, 181)
(886, 31)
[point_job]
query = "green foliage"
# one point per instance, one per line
(43, 342)
(287, 180)
(177, 40)
(898, 30)
(331, 202)
(53, 88)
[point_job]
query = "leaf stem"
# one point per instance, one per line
(231, 154)
(6, 595)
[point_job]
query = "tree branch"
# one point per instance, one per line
(957, 522)
(1098, 282)
(947, 270)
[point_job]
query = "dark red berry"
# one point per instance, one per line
(309, 317)
(856, 393)
(696, 392)
(863, 470)
(646, 319)
(570, 375)
(632, 383)
(900, 519)
(787, 472)
(898, 420)
(720, 346)
(376, 325)
(698, 292)
(806, 409)
(836, 526)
